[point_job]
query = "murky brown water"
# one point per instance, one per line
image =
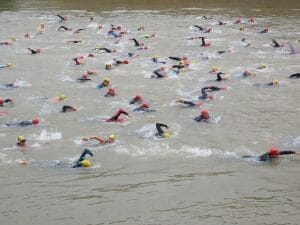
(195, 177)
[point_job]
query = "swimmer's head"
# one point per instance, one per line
(21, 138)
(42, 25)
(84, 76)
(68, 108)
(9, 64)
(106, 81)
(111, 92)
(38, 50)
(108, 66)
(125, 61)
(184, 58)
(242, 28)
(204, 114)
(275, 82)
(13, 38)
(213, 69)
(166, 135)
(274, 152)
(91, 55)
(1, 101)
(86, 163)
(135, 99)
(35, 121)
(61, 97)
(112, 138)
(144, 106)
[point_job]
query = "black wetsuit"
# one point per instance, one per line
(61, 18)
(178, 66)
(65, 108)
(103, 49)
(62, 27)
(159, 126)
(295, 75)
(82, 157)
(33, 51)
(136, 43)
(204, 94)
(159, 73)
(199, 27)
(21, 124)
(116, 116)
(175, 58)
(83, 79)
(211, 88)
(189, 103)
(219, 78)
(276, 44)
(8, 100)
(267, 157)
(155, 59)
(200, 118)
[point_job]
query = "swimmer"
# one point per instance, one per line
(213, 88)
(295, 75)
(82, 161)
(136, 99)
(159, 73)
(6, 65)
(11, 85)
(78, 31)
(207, 17)
(21, 141)
(273, 83)
(41, 29)
(160, 133)
(136, 43)
(105, 83)
(222, 23)
(177, 58)
(265, 30)
(36, 51)
(262, 66)
(108, 66)
(193, 38)
(155, 59)
(144, 108)
(105, 50)
(132, 55)
(203, 117)
(110, 93)
(272, 154)
(75, 41)
(276, 44)
(6, 43)
(116, 116)
(204, 95)
(68, 108)
(141, 28)
(83, 78)
(208, 30)
(293, 51)
(113, 33)
(248, 74)
(204, 44)
(77, 62)
(5, 102)
(111, 138)
(220, 78)
(199, 27)
(148, 35)
(189, 103)
(64, 28)
(62, 18)
(238, 21)
(118, 62)
(251, 19)
(35, 121)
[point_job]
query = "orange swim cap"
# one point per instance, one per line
(204, 113)
(35, 121)
(274, 152)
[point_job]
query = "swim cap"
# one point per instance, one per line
(105, 79)
(21, 138)
(225, 77)
(144, 106)
(275, 82)
(108, 66)
(112, 137)
(274, 152)
(35, 121)
(204, 113)
(13, 38)
(38, 50)
(85, 76)
(9, 64)
(91, 55)
(166, 135)
(61, 97)
(111, 91)
(86, 163)
(1, 101)
(184, 58)
(125, 61)
(138, 98)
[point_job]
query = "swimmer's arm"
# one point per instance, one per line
(287, 152)
(97, 138)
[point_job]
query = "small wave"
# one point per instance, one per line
(46, 136)
(296, 142)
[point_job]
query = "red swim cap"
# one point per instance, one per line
(85, 76)
(137, 98)
(204, 113)
(144, 106)
(184, 58)
(125, 61)
(1, 101)
(91, 55)
(35, 121)
(274, 152)
(111, 91)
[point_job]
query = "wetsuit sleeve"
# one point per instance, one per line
(264, 157)
(287, 152)
(159, 126)
(219, 78)
(198, 118)
(25, 123)
(175, 58)
(189, 103)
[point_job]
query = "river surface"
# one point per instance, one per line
(198, 175)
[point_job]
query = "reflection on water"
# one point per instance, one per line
(255, 6)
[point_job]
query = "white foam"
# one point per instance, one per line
(46, 136)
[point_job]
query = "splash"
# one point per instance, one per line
(46, 136)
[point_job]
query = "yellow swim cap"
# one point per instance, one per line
(112, 137)
(166, 135)
(86, 163)
(9, 64)
(105, 79)
(21, 138)
(61, 97)
(275, 82)
(225, 77)
(13, 38)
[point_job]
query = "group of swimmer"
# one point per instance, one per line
(180, 64)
